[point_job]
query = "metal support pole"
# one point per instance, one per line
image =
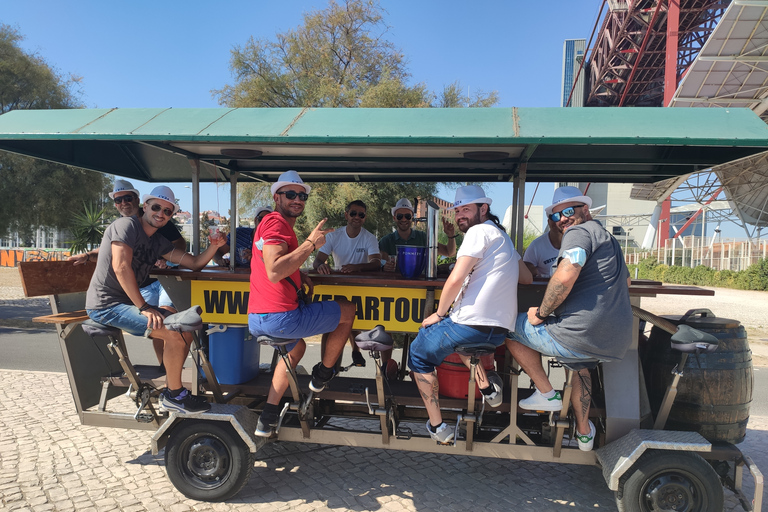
(195, 205)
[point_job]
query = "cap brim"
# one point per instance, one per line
(481, 200)
(112, 194)
(577, 199)
(147, 197)
(280, 184)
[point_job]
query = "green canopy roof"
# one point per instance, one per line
(486, 144)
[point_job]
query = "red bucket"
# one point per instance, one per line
(453, 376)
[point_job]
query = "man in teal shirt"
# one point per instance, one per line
(402, 213)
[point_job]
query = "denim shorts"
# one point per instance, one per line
(306, 320)
(155, 295)
(538, 338)
(436, 342)
(125, 317)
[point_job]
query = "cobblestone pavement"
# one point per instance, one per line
(48, 461)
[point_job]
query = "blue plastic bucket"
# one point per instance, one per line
(233, 353)
(411, 260)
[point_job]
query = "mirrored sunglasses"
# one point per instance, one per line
(127, 198)
(166, 211)
(355, 213)
(567, 212)
(291, 195)
(406, 215)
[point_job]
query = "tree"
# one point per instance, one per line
(37, 193)
(339, 57)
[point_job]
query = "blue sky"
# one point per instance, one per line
(174, 53)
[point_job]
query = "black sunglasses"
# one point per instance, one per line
(400, 216)
(291, 195)
(567, 213)
(355, 213)
(166, 211)
(128, 199)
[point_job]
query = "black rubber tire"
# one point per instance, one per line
(207, 460)
(663, 480)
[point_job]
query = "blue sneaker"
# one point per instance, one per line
(185, 402)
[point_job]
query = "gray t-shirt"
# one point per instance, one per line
(105, 290)
(596, 317)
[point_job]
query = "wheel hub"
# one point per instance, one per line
(208, 459)
(671, 492)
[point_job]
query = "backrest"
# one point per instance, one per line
(54, 277)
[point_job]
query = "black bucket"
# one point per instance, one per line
(715, 391)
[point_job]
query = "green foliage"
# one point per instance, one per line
(88, 228)
(753, 278)
(34, 192)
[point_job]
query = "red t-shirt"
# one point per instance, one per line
(266, 296)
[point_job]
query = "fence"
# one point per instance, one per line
(691, 251)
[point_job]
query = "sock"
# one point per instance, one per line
(433, 428)
(176, 392)
(323, 372)
(549, 394)
(488, 391)
(271, 409)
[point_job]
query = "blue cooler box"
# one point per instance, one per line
(233, 353)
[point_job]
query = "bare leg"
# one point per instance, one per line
(279, 378)
(429, 389)
(581, 395)
(481, 377)
(175, 351)
(339, 336)
(159, 344)
(530, 361)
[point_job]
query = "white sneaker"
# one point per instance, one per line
(586, 441)
(443, 434)
(495, 398)
(537, 402)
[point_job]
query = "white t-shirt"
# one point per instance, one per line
(349, 251)
(489, 296)
(542, 255)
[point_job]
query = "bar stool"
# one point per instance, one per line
(375, 342)
(301, 403)
(474, 351)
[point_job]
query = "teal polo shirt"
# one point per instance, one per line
(390, 242)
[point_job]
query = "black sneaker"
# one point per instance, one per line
(266, 424)
(318, 382)
(358, 359)
(185, 402)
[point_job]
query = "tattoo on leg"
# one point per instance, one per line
(586, 391)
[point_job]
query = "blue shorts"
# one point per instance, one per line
(306, 320)
(436, 342)
(155, 295)
(125, 317)
(538, 338)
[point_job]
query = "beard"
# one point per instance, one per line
(465, 224)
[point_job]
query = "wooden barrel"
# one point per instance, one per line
(715, 391)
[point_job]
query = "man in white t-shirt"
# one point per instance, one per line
(478, 304)
(541, 255)
(354, 249)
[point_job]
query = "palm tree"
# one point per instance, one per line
(88, 228)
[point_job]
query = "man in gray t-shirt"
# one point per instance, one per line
(129, 249)
(585, 313)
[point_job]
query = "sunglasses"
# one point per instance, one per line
(355, 213)
(166, 211)
(400, 216)
(291, 195)
(567, 212)
(127, 199)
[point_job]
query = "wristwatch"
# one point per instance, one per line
(542, 318)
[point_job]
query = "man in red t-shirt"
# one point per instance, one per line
(274, 308)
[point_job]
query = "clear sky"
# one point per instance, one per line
(173, 53)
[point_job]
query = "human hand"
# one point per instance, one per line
(532, 318)
(161, 263)
(390, 265)
(349, 268)
(154, 318)
(449, 228)
(431, 319)
(217, 239)
(323, 268)
(317, 236)
(79, 259)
